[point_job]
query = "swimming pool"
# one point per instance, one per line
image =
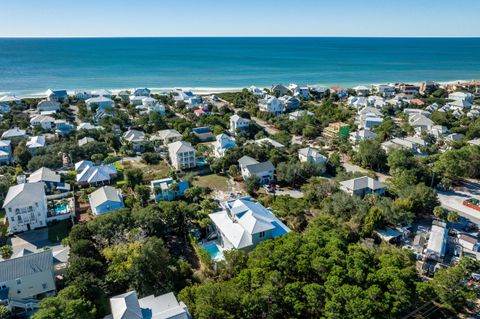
(61, 208)
(213, 251)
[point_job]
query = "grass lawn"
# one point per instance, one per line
(58, 230)
(212, 181)
(150, 172)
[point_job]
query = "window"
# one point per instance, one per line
(44, 286)
(12, 219)
(10, 209)
(30, 208)
(261, 234)
(19, 281)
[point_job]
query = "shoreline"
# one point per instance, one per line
(202, 91)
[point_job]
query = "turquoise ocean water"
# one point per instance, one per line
(29, 66)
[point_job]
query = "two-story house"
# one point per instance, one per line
(237, 124)
(26, 207)
(163, 191)
(222, 144)
(105, 200)
(5, 152)
(271, 104)
(251, 167)
(182, 155)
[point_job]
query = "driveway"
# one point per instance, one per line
(295, 193)
(32, 240)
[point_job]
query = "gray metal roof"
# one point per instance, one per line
(26, 265)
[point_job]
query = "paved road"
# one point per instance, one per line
(267, 127)
(452, 200)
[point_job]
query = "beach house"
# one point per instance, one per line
(14, 134)
(361, 90)
(44, 122)
(362, 186)
(59, 96)
(26, 207)
(35, 143)
(271, 104)
(166, 136)
(26, 278)
(129, 306)
(99, 102)
(437, 241)
(223, 143)
(94, 175)
(311, 155)
(102, 92)
(362, 135)
(279, 90)
(135, 139)
(163, 190)
(238, 124)
(243, 223)
(182, 155)
(251, 167)
(204, 134)
(48, 106)
(105, 200)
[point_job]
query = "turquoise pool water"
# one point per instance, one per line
(62, 208)
(213, 251)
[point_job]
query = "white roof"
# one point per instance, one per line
(134, 136)
(88, 126)
(9, 98)
(99, 99)
(311, 152)
(44, 174)
(103, 195)
(126, 306)
(362, 183)
(14, 132)
(268, 140)
(102, 92)
(42, 119)
(180, 147)
(35, 191)
(437, 240)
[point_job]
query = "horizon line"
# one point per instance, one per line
(240, 36)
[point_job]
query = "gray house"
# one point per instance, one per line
(362, 186)
(251, 167)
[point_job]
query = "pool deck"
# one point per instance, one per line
(213, 242)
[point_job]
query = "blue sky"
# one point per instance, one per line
(105, 18)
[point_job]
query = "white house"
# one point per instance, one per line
(362, 135)
(10, 99)
(42, 121)
(256, 91)
(99, 101)
(299, 114)
(437, 241)
(88, 126)
(238, 123)
(182, 155)
(57, 96)
(251, 167)
(13, 134)
(357, 101)
(271, 104)
(362, 186)
(141, 92)
(245, 223)
(299, 90)
(136, 99)
(361, 90)
(105, 200)
(410, 142)
(135, 139)
(82, 95)
(267, 141)
(468, 241)
(167, 136)
(128, 306)
(311, 155)
(28, 276)
(222, 143)
(35, 143)
(48, 106)
(420, 123)
(26, 207)
(102, 92)
(85, 141)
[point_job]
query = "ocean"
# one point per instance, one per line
(30, 66)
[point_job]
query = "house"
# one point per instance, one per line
(256, 91)
(102, 113)
(59, 96)
(362, 135)
(362, 186)
(48, 106)
(299, 114)
(271, 104)
(5, 152)
(420, 122)
(63, 127)
(311, 155)
(128, 306)
(341, 92)
(102, 93)
(290, 103)
(42, 121)
(141, 92)
(462, 96)
(301, 91)
(357, 101)
(182, 155)
(361, 90)
(237, 124)
(454, 137)
(167, 136)
(250, 167)
(223, 143)
(244, 223)
(437, 241)
(319, 91)
(201, 112)
(35, 143)
(468, 241)
(124, 95)
(88, 126)
(269, 142)
(105, 200)
(82, 95)
(5, 108)
(47, 176)
(161, 189)
(135, 139)
(337, 129)
(89, 174)
(85, 141)
(385, 90)
(10, 99)
(203, 133)
(377, 102)
(409, 90)
(279, 90)
(14, 134)
(100, 102)
(29, 276)
(136, 100)
(427, 87)
(26, 207)
(411, 143)
(370, 117)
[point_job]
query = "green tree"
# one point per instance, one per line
(252, 184)
(6, 251)
(371, 155)
(133, 177)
